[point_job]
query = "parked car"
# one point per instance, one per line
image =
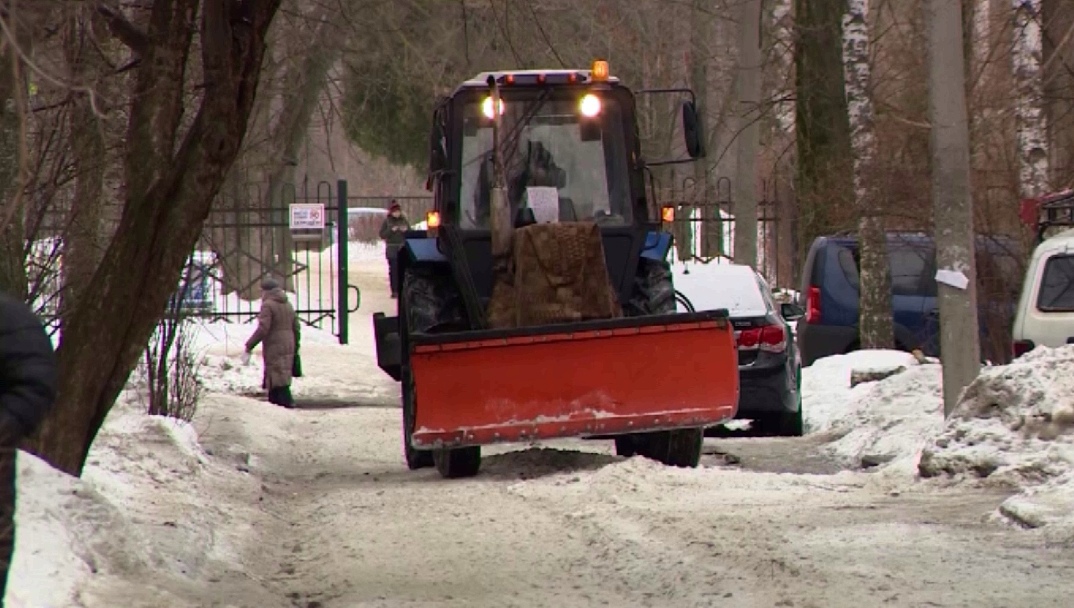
(830, 292)
(1045, 313)
(769, 367)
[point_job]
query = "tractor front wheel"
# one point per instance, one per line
(454, 463)
(625, 446)
(415, 458)
(678, 448)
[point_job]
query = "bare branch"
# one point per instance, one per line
(124, 31)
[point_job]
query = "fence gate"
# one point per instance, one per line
(704, 228)
(297, 237)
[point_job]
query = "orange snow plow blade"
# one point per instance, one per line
(591, 378)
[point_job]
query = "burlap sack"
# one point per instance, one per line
(559, 275)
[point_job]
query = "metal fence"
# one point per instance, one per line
(247, 238)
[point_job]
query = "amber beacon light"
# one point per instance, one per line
(599, 71)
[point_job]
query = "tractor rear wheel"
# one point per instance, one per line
(454, 463)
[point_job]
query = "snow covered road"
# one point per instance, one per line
(340, 522)
(315, 508)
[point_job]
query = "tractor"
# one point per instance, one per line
(537, 301)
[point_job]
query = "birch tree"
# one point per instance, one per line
(749, 102)
(875, 328)
(949, 146)
(1030, 118)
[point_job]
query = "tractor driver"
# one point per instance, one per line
(537, 168)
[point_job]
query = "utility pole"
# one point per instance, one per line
(952, 200)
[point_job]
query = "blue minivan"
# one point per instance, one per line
(829, 292)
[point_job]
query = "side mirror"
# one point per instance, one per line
(691, 130)
(437, 155)
(791, 311)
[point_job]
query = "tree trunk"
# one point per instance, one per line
(84, 237)
(750, 65)
(708, 208)
(13, 116)
(875, 329)
(1031, 121)
(952, 199)
(172, 181)
(1058, 88)
(823, 177)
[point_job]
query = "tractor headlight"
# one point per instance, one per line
(590, 105)
(486, 108)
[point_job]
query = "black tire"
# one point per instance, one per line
(654, 290)
(677, 448)
(415, 458)
(654, 294)
(625, 446)
(428, 304)
(431, 302)
(455, 463)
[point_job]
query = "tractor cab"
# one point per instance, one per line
(570, 152)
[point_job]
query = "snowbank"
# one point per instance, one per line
(885, 422)
(48, 564)
(1015, 427)
(827, 397)
(139, 508)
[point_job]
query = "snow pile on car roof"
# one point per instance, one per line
(1014, 426)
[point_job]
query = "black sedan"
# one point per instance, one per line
(769, 366)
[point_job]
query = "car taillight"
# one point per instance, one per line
(770, 339)
(1021, 347)
(813, 304)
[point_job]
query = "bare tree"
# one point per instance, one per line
(875, 329)
(749, 105)
(952, 199)
(1031, 120)
(175, 163)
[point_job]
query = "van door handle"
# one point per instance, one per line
(934, 313)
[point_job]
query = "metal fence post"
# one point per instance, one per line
(342, 246)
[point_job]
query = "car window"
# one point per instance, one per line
(848, 263)
(913, 271)
(1057, 285)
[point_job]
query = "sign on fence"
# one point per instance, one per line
(307, 221)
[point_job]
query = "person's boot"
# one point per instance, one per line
(286, 399)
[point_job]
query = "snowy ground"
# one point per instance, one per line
(258, 506)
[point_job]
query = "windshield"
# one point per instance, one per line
(554, 157)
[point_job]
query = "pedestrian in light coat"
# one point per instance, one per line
(279, 334)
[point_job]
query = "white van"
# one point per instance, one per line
(1045, 315)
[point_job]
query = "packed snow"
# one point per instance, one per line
(1015, 426)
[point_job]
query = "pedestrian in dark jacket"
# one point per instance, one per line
(279, 334)
(393, 233)
(27, 391)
